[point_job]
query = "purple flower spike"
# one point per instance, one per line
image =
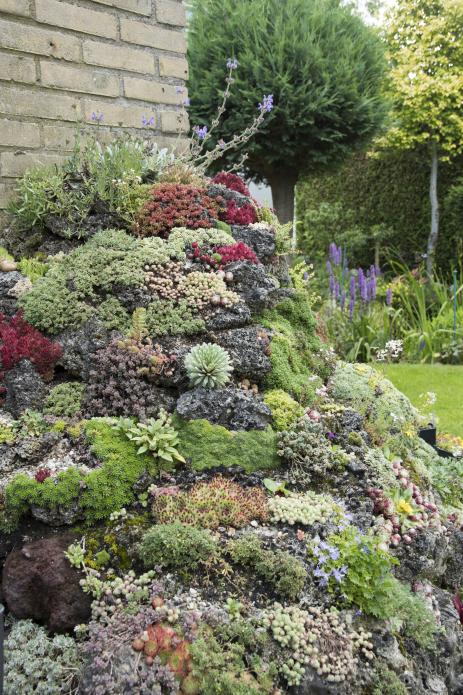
(351, 308)
(329, 267)
(342, 300)
(389, 296)
(362, 283)
(267, 103)
(201, 132)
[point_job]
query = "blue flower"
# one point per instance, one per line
(232, 63)
(97, 117)
(179, 90)
(340, 573)
(334, 553)
(267, 103)
(201, 132)
(147, 121)
(322, 559)
(324, 545)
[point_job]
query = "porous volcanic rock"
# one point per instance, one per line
(261, 241)
(248, 349)
(253, 284)
(8, 302)
(40, 583)
(229, 407)
(79, 344)
(25, 389)
(236, 316)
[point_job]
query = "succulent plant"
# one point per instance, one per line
(208, 365)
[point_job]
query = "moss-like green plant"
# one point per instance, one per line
(96, 494)
(293, 344)
(208, 365)
(285, 410)
(65, 400)
(281, 570)
(206, 445)
(166, 317)
(177, 546)
(113, 315)
(156, 436)
(33, 268)
(386, 681)
(7, 435)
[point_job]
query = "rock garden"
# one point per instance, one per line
(197, 495)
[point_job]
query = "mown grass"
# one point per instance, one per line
(446, 381)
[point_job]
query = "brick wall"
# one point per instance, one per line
(63, 60)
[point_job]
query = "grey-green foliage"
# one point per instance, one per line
(65, 400)
(177, 546)
(305, 448)
(165, 316)
(208, 365)
(36, 664)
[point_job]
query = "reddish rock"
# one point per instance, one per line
(39, 583)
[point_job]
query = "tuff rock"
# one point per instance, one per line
(229, 407)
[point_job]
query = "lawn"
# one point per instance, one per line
(444, 380)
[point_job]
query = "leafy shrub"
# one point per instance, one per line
(220, 502)
(206, 445)
(177, 547)
(208, 365)
(36, 664)
(19, 340)
(65, 400)
(158, 437)
(285, 410)
(285, 574)
(231, 181)
(175, 205)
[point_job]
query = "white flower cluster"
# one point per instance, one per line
(391, 351)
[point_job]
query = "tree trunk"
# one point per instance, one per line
(283, 185)
(434, 233)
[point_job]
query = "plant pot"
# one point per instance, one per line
(444, 453)
(428, 434)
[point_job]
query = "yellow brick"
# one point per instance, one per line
(7, 193)
(79, 79)
(42, 41)
(17, 68)
(37, 103)
(19, 7)
(16, 163)
(56, 137)
(170, 12)
(62, 14)
(119, 57)
(148, 35)
(136, 6)
(174, 122)
(146, 90)
(173, 67)
(18, 134)
(122, 115)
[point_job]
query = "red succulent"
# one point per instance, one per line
(246, 214)
(231, 181)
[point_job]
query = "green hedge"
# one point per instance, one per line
(390, 189)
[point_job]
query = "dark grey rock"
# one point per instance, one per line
(248, 348)
(25, 389)
(79, 344)
(454, 566)
(230, 407)
(58, 516)
(132, 297)
(261, 241)
(253, 284)
(217, 190)
(425, 557)
(9, 303)
(235, 317)
(33, 449)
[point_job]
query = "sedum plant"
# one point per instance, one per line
(157, 436)
(208, 365)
